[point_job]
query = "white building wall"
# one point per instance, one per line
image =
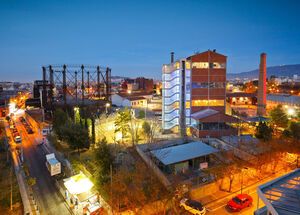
(120, 101)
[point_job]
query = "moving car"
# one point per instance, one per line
(192, 206)
(240, 202)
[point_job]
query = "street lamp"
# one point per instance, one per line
(107, 105)
(291, 111)
(242, 179)
(76, 111)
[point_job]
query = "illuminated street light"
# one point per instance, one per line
(291, 111)
(76, 114)
(107, 105)
(129, 91)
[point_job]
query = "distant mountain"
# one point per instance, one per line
(284, 70)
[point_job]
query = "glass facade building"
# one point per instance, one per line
(190, 85)
(172, 85)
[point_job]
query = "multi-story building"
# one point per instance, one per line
(191, 87)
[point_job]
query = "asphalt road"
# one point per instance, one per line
(49, 199)
(223, 210)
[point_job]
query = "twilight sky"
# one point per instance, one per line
(135, 38)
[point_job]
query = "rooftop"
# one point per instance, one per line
(204, 113)
(284, 98)
(282, 195)
(183, 152)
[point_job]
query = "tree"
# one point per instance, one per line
(60, 119)
(150, 129)
(103, 160)
(136, 187)
(279, 117)
(76, 136)
(142, 114)
(263, 131)
(122, 123)
(134, 131)
(295, 130)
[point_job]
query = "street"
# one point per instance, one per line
(221, 209)
(49, 199)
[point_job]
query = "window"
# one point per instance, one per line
(211, 65)
(187, 104)
(187, 65)
(196, 85)
(203, 102)
(200, 65)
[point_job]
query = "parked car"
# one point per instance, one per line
(18, 139)
(240, 202)
(192, 206)
(29, 131)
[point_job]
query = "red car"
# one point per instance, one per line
(240, 202)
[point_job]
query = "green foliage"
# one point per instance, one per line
(31, 181)
(264, 132)
(295, 130)
(76, 136)
(60, 119)
(103, 161)
(279, 117)
(150, 129)
(76, 115)
(146, 127)
(122, 122)
(142, 114)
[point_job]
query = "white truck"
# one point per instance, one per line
(53, 165)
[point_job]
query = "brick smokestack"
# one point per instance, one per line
(172, 57)
(262, 86)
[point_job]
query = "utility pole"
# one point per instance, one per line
(11, 196)
(111, 185)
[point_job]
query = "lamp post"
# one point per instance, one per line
(76, 109)
(107, 105)
(242, 179)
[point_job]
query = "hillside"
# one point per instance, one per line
(285, 70)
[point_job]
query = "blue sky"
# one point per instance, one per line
(135, 38)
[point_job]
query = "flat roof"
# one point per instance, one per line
(52, 161)
(282, 195)
(284, 98)
(204, 113)
(182, 152)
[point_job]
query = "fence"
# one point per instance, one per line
(155, 169)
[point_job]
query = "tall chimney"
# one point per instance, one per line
(172, 57)
(262, 86)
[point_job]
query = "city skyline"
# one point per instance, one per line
(136, 38)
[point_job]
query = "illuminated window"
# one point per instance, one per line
(177, 65)
(205, 65)
(187, 104)
(199, 103)
(188, 65)
(217, 65)
(200, 65)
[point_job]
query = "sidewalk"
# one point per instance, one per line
(24, 192)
